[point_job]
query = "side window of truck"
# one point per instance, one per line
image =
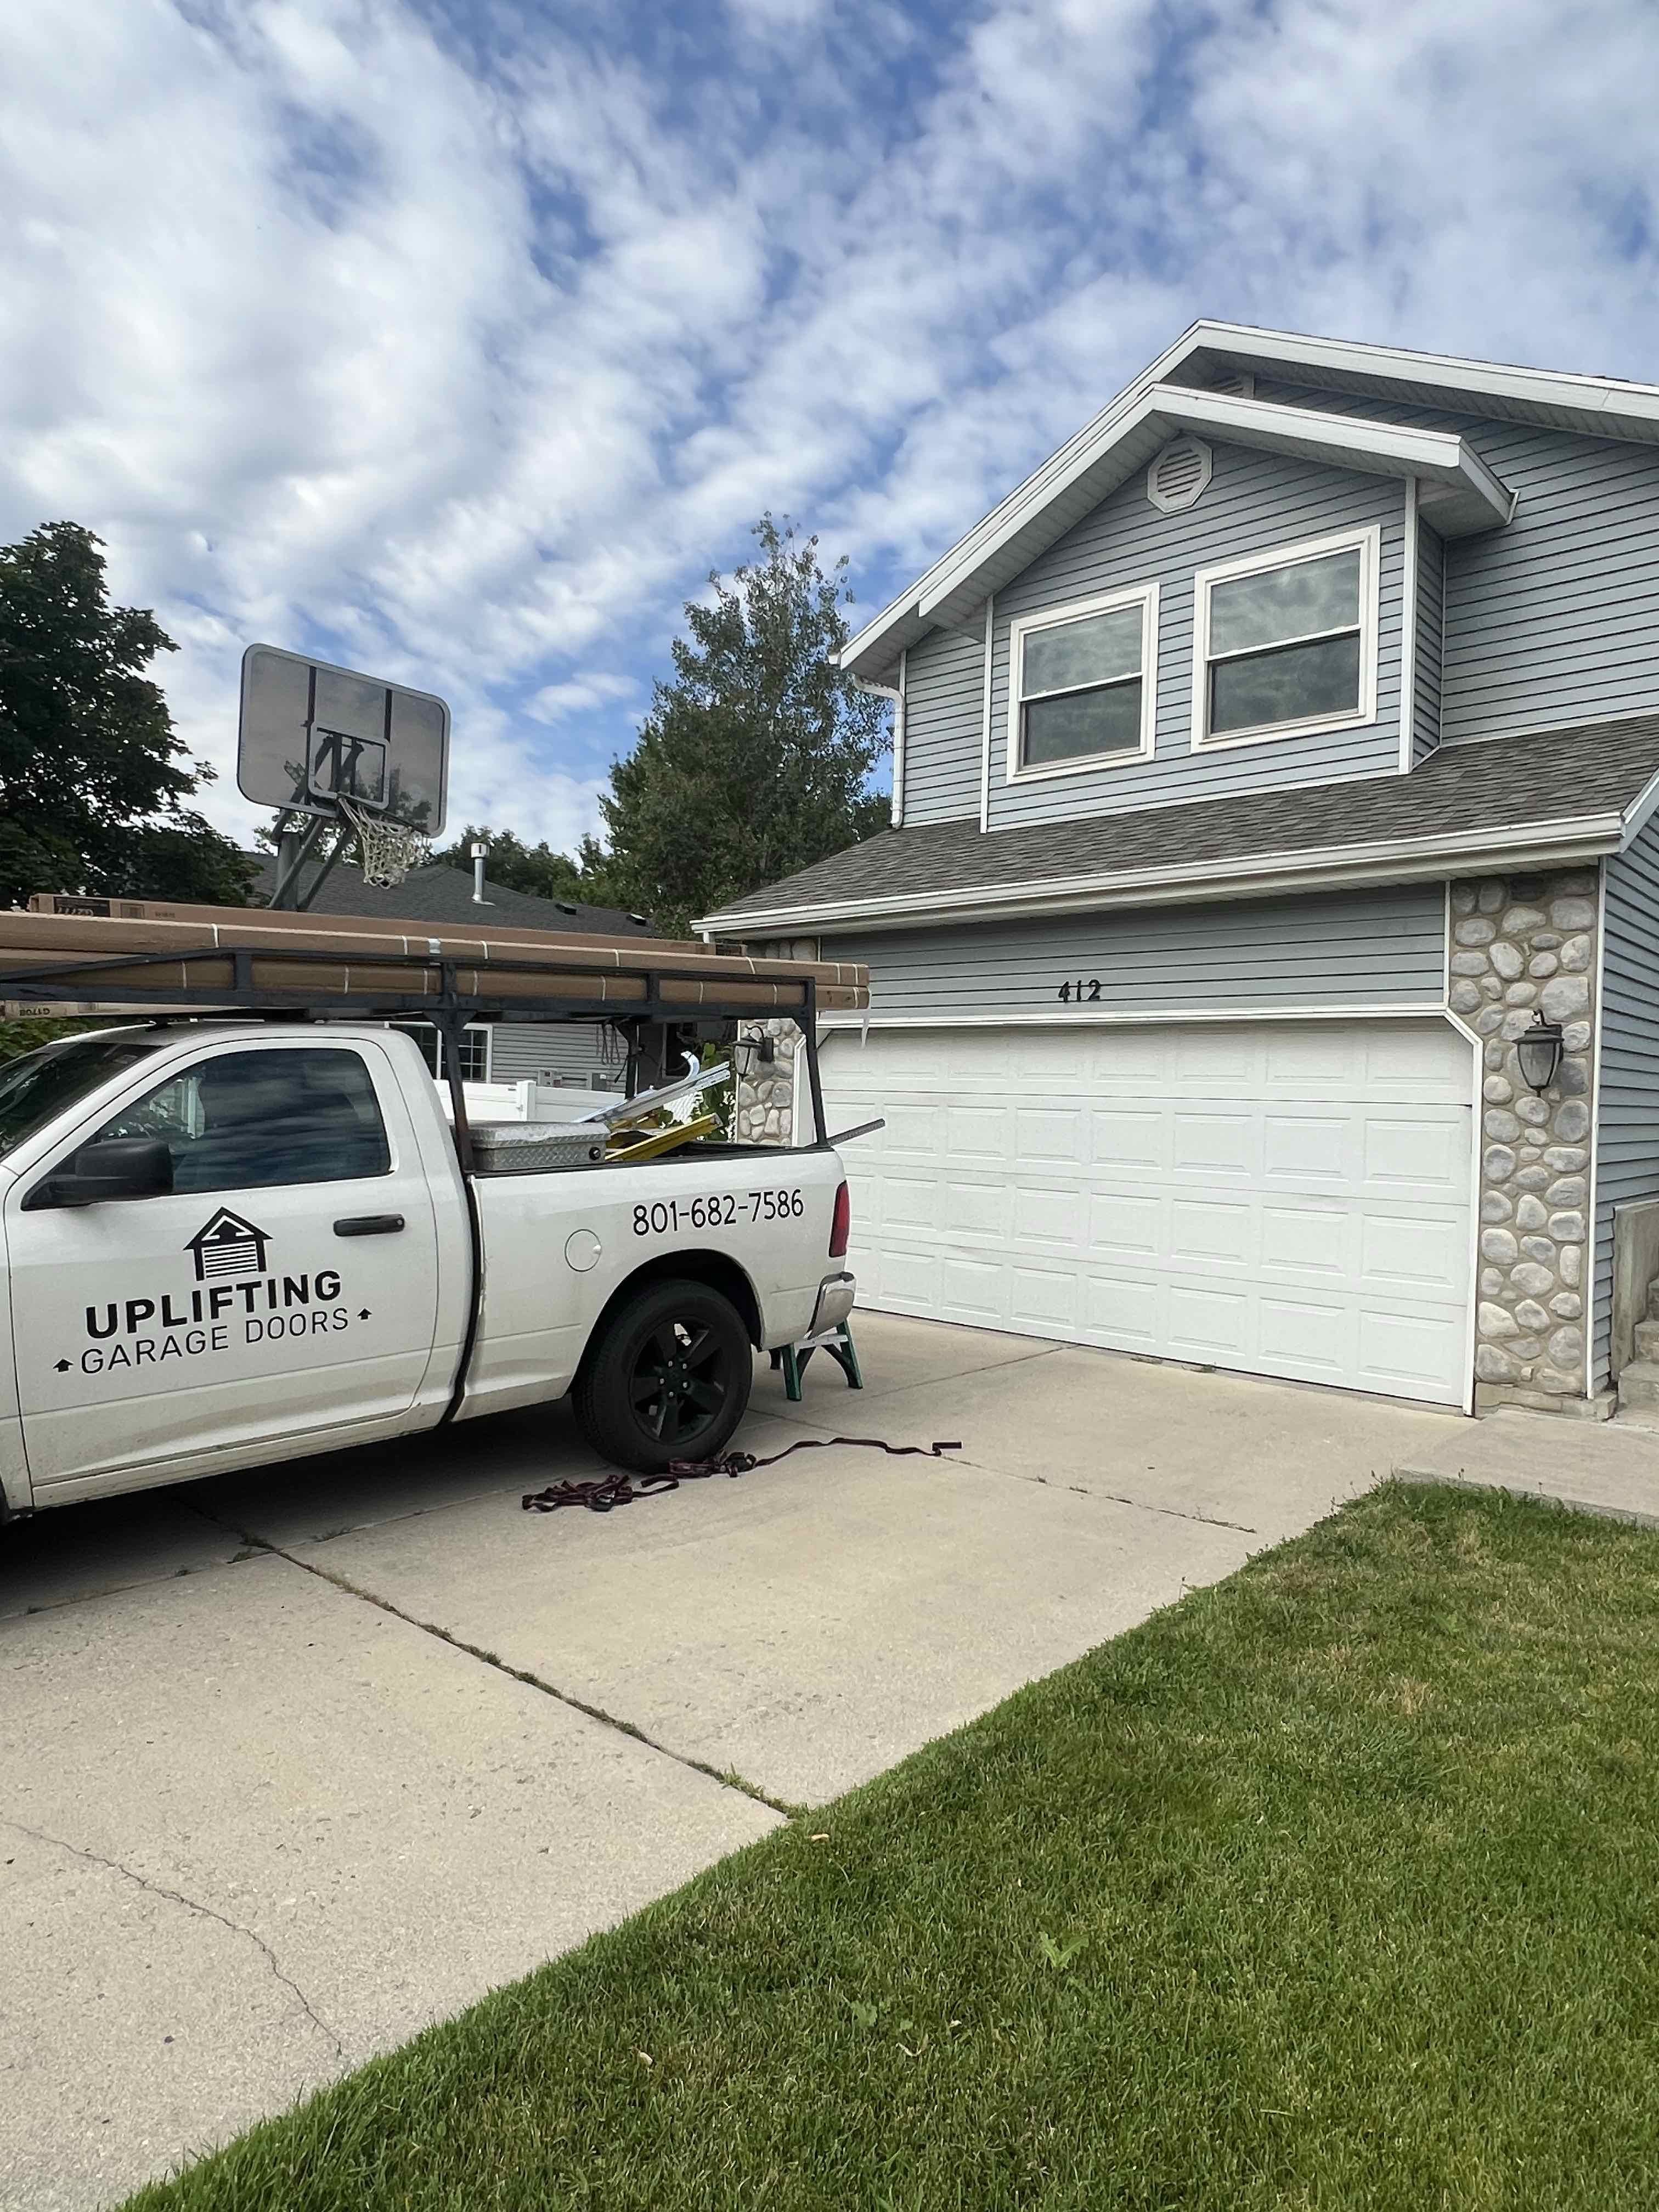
(251, 1119)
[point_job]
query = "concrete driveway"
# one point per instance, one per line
(296, 1763)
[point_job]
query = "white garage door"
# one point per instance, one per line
(1284, 1198)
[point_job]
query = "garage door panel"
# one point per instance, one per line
(1307, 1240)
(1125, 1312)
(1205, 1324)
(1216, 1143)
(1046, 1216)
(1207, 1231)
(1416, 1153)
(973, 1290)
(1045, 1299)
(1123, 1137)
(909, 1202)
(1311, 1338)
(1218, 1059)
(1302, 1148)
(1413, 1352)
(909, 1128)
(977, 1132)
(1297, 1062)
(1119, 1222)
(1421, 1253)
(1236, 1195)
(976, 1208)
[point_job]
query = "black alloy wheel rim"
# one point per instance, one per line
(676, 1389)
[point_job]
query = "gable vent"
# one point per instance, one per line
(1178, 475)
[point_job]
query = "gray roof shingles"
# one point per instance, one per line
(438, 893)
(1507, 783)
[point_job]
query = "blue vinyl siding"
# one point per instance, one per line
(1426, 686)
(1628, 1099)
(1554, 618)
(1254, 502)
(1383, 947)
(943, 712)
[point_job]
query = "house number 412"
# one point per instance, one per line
(1085, 989)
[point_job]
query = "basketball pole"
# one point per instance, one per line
(293, 849)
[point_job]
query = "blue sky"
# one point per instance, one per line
(459, 341)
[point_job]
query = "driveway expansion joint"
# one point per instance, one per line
(728, 1778)
(1113, 1498)
(191, 1904)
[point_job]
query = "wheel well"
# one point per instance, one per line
(716, 1269)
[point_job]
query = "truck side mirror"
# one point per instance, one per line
(109, 1168)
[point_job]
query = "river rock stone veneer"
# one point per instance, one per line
(1520, 946)
(764, 1111)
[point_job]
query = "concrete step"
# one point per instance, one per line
(1647, 1340)
(1653, 1301)
(1637, 1417)
(1638, 1385)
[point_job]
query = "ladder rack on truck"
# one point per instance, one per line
(173, 961)
(176, 1188)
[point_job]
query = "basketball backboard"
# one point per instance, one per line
(311, 734)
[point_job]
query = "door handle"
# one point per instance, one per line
(369, 1225)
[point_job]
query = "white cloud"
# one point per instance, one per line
(465, 361)
(556, 701)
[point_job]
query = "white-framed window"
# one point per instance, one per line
(1082, 683)
(1286, 641)
(475, 1049)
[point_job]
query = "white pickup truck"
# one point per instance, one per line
(231, 1243)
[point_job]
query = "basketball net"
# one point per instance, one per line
(386, 850)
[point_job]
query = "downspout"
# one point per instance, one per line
(887, 691)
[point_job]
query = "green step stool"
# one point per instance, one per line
(838, 1342)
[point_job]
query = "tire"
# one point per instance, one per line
(694, 1341)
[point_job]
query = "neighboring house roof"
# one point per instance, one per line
(438, 893)
(1159, 404)
(1553, 799)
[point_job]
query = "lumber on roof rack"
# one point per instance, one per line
(237, 959)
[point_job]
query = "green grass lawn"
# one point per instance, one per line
(1334, 1886)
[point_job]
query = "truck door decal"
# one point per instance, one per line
(237, 1300)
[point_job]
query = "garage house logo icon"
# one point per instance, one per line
(228, 1245)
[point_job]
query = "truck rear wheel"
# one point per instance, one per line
(668, 1380)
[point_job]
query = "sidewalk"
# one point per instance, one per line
(1592, 1467)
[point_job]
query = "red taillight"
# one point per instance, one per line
(841, 1226)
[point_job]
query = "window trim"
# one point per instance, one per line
(1145, 596)
(485, 1030)
(1367, 540)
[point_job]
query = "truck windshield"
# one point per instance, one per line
(53, 1076)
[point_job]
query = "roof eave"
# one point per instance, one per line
(1565, 842)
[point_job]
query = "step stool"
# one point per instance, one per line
(838, 1342)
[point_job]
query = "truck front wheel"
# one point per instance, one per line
(668, 1380)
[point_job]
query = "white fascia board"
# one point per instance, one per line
(1523, 846)
(1617, 408)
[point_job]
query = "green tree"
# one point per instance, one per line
(536, 869)
(92, 780)
(753, 762)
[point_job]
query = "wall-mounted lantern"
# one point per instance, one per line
(749, 1051)
(1538, 1051)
